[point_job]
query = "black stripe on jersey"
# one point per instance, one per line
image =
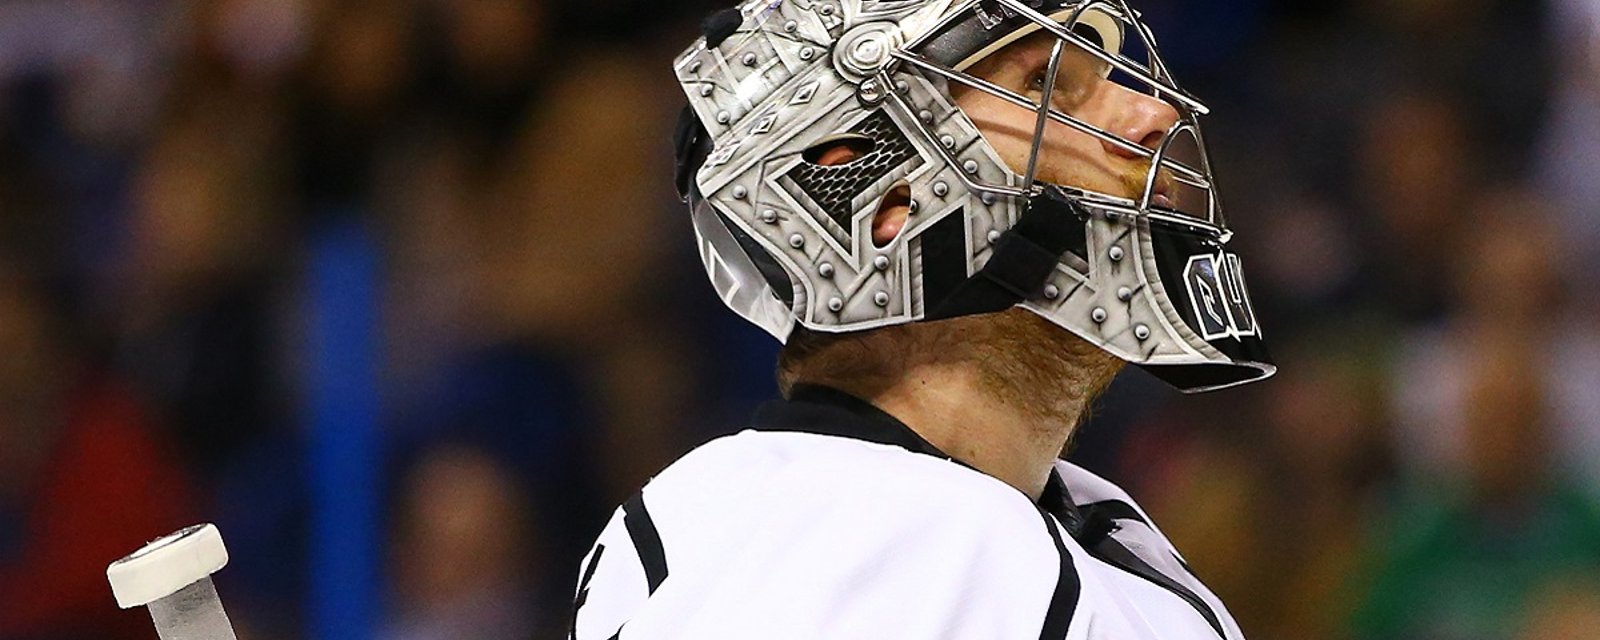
(1065, 600)
(583, 589)
(646, 540)
(1116, 510)
(1116, 555)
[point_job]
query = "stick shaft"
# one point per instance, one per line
(193, 613)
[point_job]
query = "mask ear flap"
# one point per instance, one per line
(693, 146)
(745, 276)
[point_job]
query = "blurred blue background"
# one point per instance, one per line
(397, 293)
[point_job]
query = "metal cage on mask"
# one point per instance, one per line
(787, 241)
(966, 37)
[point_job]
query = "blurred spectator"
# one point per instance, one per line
(483, 84)
(1419, 165)
(350, 97)
(465, 552)
(1460, 557)
(83, 479)
(1284, 486)
(194, 302)
(570, 246)
(1569, 157)
(1511, 272)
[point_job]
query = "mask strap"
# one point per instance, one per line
(1023, 258)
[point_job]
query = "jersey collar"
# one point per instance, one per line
(828, 411)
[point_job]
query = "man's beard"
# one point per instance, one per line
(1043, 371)
(1028, 363)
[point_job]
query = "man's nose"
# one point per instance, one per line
(1137, 117)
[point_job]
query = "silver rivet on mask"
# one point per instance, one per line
(902, 86)
(739, 192)
(948, 141)
(808, 53)
(835, 305)
(1124, 294)
(1116, 254)
(881, 263)
(705, 90)
(994, 236)
(925, 116)
(988, 199)
(790, 26)
(970, 166)
(881, 299)
(724, 117)
(825, 270)
(827, 9)
(1051, 292)
(914, 207)
(749, 59)
(1141, 332)
(694, 67)
(769, 216)
(1098, 315)
(870, 92)
(797, 241)
(941, 189)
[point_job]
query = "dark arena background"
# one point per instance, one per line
(398, 293)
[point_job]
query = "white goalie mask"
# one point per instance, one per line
(788, 241)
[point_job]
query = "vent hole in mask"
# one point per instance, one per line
(840, 151)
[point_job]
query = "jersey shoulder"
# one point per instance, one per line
(822, 473)
(1093, 493)
(777, 534)
(1136, 545)
(1088, 488)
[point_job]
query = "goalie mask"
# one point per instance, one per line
(787, 239)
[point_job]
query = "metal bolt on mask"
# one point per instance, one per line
(1143, 273)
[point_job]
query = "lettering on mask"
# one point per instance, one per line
(1221, 302)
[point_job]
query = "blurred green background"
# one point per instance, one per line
(397, 293)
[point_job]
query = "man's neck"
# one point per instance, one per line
(1000, 392)
(950, 409)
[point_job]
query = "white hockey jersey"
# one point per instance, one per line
(831, 519)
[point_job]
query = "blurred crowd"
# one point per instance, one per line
(1413, 182)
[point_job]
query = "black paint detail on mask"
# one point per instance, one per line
(719, 26)
(944, 258)
(691, 145)
(835, 188)
(771, 271)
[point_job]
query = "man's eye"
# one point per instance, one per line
(1036, 80)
